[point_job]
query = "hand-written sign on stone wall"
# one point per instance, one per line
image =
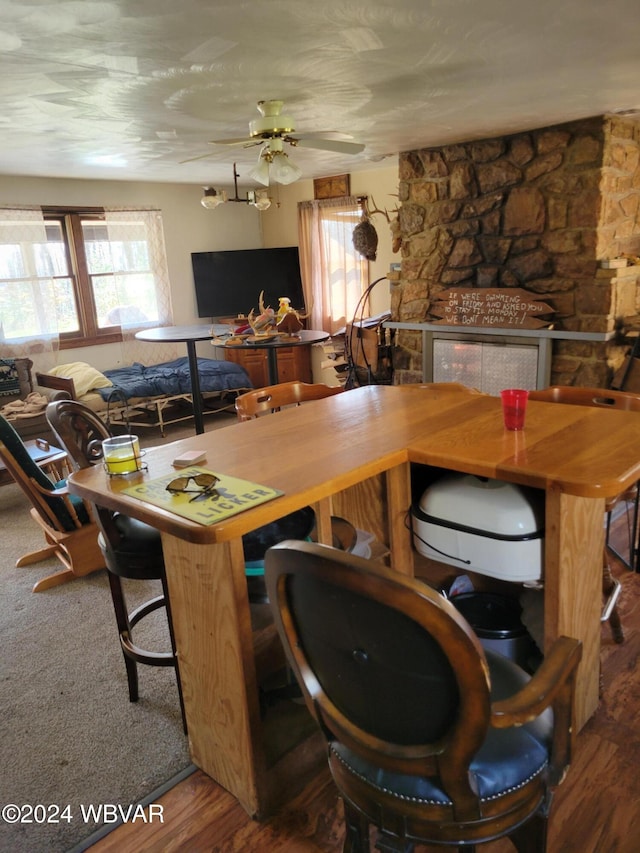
(499, 307)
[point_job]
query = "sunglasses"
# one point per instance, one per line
(206, 482)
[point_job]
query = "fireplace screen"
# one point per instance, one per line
(485, 366)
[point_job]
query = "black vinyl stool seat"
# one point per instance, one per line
(430, 739)
(137, 556)
(131, 548)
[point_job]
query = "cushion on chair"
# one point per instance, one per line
(137, 537)
(507, 759)
(9, 378)
(139, 551)
(76, 501)
(15, 379)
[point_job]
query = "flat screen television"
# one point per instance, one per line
(228, 284)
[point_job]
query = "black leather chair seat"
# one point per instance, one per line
(507, 759)
(139, 551)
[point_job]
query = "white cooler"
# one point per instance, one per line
(486, 526)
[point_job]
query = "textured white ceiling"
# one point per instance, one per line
(127, 89)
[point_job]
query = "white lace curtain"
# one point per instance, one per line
(334, 275)
(136, 263)
(27, 300)
(155, 309)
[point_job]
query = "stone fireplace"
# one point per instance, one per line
(538, 210)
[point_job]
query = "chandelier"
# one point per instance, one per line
(213, 198)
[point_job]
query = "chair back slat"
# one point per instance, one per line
(80, 431)
(574, 395)
(272, 398)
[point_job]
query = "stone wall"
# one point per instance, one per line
(537, 210)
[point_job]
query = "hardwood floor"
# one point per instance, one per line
(596, 809)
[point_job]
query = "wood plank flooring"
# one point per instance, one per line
(596, 809)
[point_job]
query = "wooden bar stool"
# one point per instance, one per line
(131, 548)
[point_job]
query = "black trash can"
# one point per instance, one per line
(496, 620)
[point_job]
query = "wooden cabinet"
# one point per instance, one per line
(293, 363)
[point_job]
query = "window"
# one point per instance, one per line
(334, 274)
(82, 275)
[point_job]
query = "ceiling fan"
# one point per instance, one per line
(271, 131)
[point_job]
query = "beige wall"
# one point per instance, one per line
(280, 224)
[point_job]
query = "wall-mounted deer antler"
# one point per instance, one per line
(394, 224)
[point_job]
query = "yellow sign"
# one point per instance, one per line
(230, 496)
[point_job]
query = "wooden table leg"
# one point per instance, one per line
(220, 669)
(398, 508)
(574, 539)
(322, 511)
(212, 626)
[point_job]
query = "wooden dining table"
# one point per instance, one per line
(352, 455)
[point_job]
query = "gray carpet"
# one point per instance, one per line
(69, 735)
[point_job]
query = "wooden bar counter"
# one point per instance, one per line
(351, 455)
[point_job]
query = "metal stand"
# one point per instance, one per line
(631, 562)
(359, 370)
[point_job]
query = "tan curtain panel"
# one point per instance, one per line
(334, 275)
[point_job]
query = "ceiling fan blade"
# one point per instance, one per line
(194, 159)
(325, 134)
(338, 145)
(247, 141)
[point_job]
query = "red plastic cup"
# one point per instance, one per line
(514, 406)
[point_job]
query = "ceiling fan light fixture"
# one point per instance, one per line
(260, 172)
(282, 170)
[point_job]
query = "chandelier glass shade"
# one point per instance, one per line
(212, 198)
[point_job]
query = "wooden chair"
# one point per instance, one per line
(431, 740)
(602, 398)
(130, 548)
(254, 404)
(66, 521)
(272, 398)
